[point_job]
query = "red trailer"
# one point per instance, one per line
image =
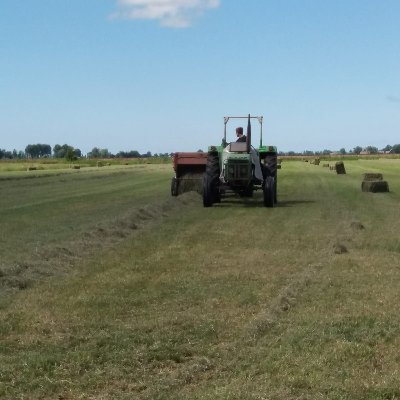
(189, 169)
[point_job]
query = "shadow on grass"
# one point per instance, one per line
(255, 203)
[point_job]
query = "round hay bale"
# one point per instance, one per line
(76, 167)
(339, 167)
(370, 176)
(325, 165)
(375, 186)
(317, 161)
(279, 166)
(100, 164)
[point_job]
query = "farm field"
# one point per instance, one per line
(111, 289)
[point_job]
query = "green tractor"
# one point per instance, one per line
(240, 168)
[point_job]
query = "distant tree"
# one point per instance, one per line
(38, 150)
(104, 153)
(342, 151)
(70, 154)
(387, 148)
(65, 151)
(148, 154)
(291, 153)
(308, 153)
(95, 153)
(326, 152)
(128, 154)
(372, 149)
(357, 150)
(396, 148)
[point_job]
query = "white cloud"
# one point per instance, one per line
(170, 13)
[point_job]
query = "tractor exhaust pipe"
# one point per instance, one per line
(248, 135)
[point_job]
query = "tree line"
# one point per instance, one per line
(70, 153)
(388, 149)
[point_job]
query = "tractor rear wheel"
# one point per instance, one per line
(271, 169)
(210, 181)
(174, 187)
(269, 192)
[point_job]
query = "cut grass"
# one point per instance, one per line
(232, 302)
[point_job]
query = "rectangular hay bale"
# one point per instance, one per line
(372, 176)
(375, 186)
(339, 167)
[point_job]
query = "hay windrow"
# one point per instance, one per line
(51, 261)
(283, 302)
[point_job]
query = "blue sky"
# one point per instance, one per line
(160, 75)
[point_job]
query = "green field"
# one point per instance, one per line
(111, 289)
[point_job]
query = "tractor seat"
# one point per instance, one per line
(237, 147)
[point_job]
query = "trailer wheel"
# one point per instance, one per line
(174, 187)
(210, 181)
(269, 192)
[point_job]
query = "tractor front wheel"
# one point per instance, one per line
(269, 192)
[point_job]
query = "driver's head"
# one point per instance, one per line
(239, 131)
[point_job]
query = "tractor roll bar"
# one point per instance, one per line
(258, 118)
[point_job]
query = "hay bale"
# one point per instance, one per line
(76, 167)
(375, 186)
(305, 160)
(31, 168)
(370, 176)
(279, 166)
(317, 161)
(325, 165)
(100, 164)
(339, 167)
(190, 181)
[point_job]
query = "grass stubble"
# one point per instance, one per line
(232, 302)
